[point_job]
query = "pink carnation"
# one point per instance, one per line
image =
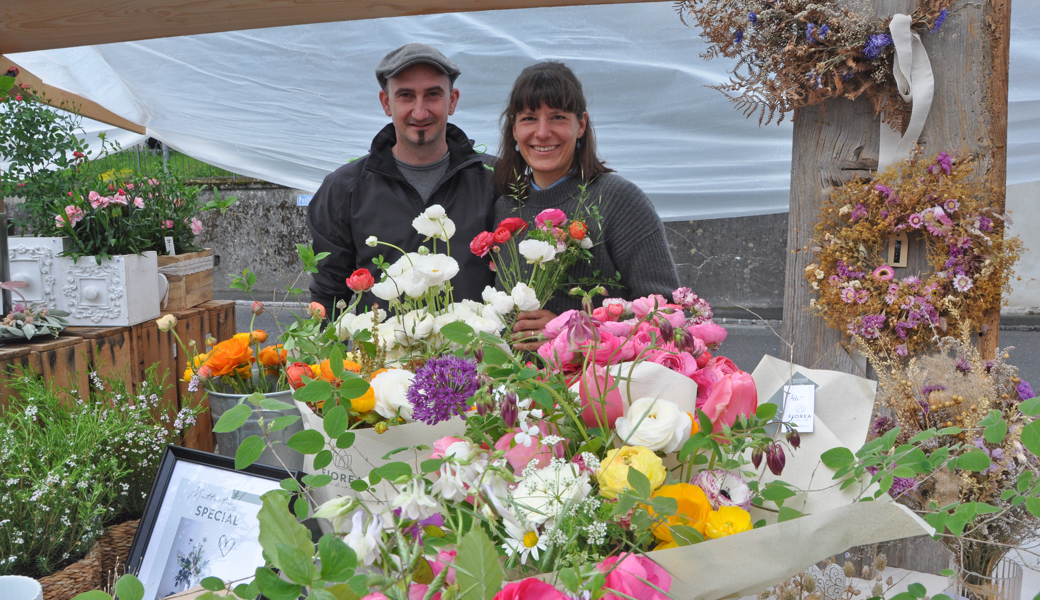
(196, 226)
(74, 213)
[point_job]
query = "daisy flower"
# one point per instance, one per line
(523, 542)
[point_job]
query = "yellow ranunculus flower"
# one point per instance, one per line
(613, 470)
(727, 521)
(692, 508)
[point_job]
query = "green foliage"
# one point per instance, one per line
(70, 470)
(477, 569)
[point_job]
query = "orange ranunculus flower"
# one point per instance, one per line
(692, 510)
(229, 355)
(242, 336)
(259, 336)
(325, 371)
(727, 521)
(366, 401)
(273, 356)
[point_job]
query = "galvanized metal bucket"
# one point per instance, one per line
(227, 443)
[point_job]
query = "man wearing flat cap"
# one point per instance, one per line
(416, 161)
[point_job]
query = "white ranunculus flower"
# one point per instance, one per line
(472, 306)
(416, 325)
(403, 265)
(585, 243)
(497, 299)
(386, 290)
(536, 251)
(349, 324)
(434, 223)
(448, 317)
(542, 495)
(524, 297)
(435, 212)
(391, 391)
(414, 284)
(387, 333)
(480, 323)
(435, 269)
(492, 315)
(664, 427)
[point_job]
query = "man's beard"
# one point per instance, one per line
(422, 138)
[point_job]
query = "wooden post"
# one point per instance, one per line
(839, 141)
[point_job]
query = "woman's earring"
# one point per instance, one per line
(577, 145)
(517, 147)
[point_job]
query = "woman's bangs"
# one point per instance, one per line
(544, 89)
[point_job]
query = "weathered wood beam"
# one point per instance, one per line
(59, 98)
(839, 141)
(27, 25)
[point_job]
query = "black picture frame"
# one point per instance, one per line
(158, 496)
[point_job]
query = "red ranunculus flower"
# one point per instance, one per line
(578, 230)
(481, 244)
(295, 373)
(502, 235)
(361, 280)
(515, 225)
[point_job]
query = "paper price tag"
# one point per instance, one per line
(800, 406)
(169, 245)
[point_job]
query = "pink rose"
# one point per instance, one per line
(444, 559)
(633, 576)
(74, 213)
(711, 333)
(558, 325)
(734, 395)
(529, 589)
(196, 226)
(600, 399)
(139, 202)
(641, 307)
(519, 456)
(440, 447)
(554, 215)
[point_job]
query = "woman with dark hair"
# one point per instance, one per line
(548, 154)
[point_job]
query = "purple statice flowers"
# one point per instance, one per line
(1025, 391)
(815, 33)
(943, 162)
(939, 20)
(876, 44)
(442, 387)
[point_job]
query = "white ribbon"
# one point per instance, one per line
(913, 74)
(187, 267)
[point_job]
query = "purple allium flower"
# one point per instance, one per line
(1025, 391)
(939, 20)
(876, 44)
(442, 387)
(752, 18)
(738, 36)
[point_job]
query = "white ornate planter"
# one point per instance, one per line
(121, 291)
(35, 261)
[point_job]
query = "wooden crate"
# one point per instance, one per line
(13, 359)
(109, 352)
(61, 361)
(187, 290)
(220, 320)
(149, 346)
(191, 326)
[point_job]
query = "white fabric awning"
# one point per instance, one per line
(290, 104)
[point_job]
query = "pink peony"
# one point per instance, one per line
(633, 576)
(733, 396)
(711, 333)
(444, 559)
(529, 589)
(600, 404)
(550, 215)
(519, 456)
(440, 447)
(641, 307)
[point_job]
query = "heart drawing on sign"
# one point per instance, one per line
(225, 544)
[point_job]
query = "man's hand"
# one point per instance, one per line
(527, 333)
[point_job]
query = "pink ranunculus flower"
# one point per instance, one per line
(558, 325)
(634, 576)
(641, 307)
(139, 202)
(519, 456)
(74, 213)
(606, 351)
(600, 314)
(529, 589)
(674, 314)
(559, 353)
(680, 362)
(601, 400)
(554, 215)
(640, 342)
(617, 328)
(196, 226)
(734, 395)
(444, 559)
(711, 333)
(440, 447)
(95, 199)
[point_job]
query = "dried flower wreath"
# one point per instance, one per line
(796, 53)
(946, 203)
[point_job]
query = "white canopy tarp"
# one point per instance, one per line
(291, 104)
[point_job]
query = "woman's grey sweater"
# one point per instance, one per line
(629, 239)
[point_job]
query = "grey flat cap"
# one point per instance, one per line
(410, 54)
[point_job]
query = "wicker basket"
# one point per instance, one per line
(97, 570)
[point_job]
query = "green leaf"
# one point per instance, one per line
(301, 508)
(342, 591)
(569, 579)
(353, 388)
(92, 595)
(1030, 407)
(281, 423)
(336, 361)
(766, 411)
(249, 451)
(336, 422)
(904, 596)
(269, 403)
(323, 459)
(949, 431)
(317, 481)
(947, 572)
(788, 514)
(321, 594)
(924, 436)
(290, 485)
(296, 564)
(274, 588)
(703, 421)
(917, 590)
(477, 570)
(431, 465)
(458, 332)
(129, 587)
(1033, 506)
(314, 392)
(345, 441)
(213, 584)
(976, 460)
(1024, 481)
(684, 535)
(696, 441)
(664, 506)
(995, 433)
(247, 591)
(1031, 437)
(359, 485)
(232, 418)
(777, 494)
(307, 441)
(359, 584)
(639, 484)
(836, 458)
(392, 470)
(279, 526)
(493, 355)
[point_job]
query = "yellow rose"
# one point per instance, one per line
(613, 470)
(727, 521)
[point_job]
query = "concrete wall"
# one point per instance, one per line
(1023, 202)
